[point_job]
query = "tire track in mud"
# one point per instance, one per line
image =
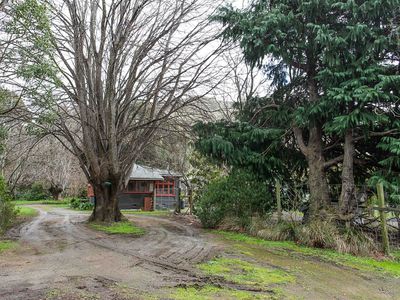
(169, 249)
(164, 257)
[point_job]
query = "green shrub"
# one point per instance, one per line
(34, 192)
(80, 204)
(7, 209)
(238, 196)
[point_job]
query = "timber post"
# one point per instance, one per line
(382, 214)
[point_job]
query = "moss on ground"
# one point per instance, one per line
(212, 292)
(240, 272)
(391, 267)
(67, 294)
(7, 245)
(118, 228)
(244, 273)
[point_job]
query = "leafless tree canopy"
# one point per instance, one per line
(126, 67)
(122, 69)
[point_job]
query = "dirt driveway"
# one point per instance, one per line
(60, 258)
(57, 249)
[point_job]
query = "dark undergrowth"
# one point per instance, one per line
(317, 234)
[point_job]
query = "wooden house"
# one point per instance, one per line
(148, 189)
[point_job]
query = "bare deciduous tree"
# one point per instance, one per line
(123, 68)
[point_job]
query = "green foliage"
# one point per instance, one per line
(202, 173)
(31, 24)
(36, 191)
(243, 145)
(239, 195)
(7, 209)
(333, 66)
(118, 228)
(389, 175)
(81, 204)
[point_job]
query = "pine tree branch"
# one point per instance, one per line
(333, 161)
(375, 134)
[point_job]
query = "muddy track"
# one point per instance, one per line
(57, 246)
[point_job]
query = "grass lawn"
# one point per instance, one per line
(6, 245)
(387, 266)
(46, 202)
(158, 213)
(118, 228)
(24, 211)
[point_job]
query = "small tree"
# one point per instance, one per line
(7, 209)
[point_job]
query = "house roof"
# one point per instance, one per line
(167, 173)
(146, 173)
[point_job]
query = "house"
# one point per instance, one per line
(149, 189)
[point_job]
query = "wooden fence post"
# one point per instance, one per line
(278, 199)
(382, 213)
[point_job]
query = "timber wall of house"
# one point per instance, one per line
(131, 201)
(165, 202)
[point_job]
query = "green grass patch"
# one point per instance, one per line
(24, 211)
(391, 267)
(209, 292)
(158, 213)
(118, 228)
(7, 245)
(44, 202)
(245, 273)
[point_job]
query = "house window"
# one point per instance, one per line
(138, 187)
(131, 186)
(164, 188)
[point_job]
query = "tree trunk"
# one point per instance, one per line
(56, 195)
(317, 181)
(347, 195)
(106, 204)
(55, 192)
(190, 200)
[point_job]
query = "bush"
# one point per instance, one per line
(35, 192)
(80, 204)
(238, 196)
(7, 209)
